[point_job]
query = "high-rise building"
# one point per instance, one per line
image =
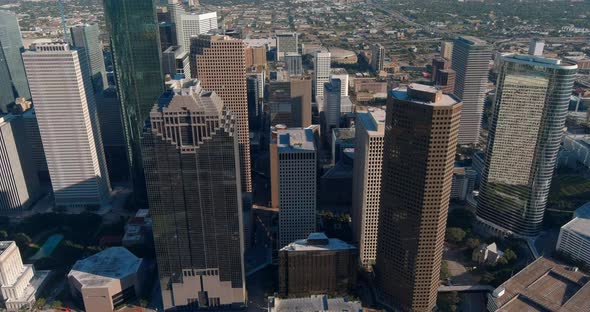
(536, 47)
(293, 63)
(136, 58)
(33, 136)
(287, 42)
(421, 131)
(332, 106)
(167, 35)
(439, 63)
(366, 181)
(112, 133)
(11, 44)
(221, 67)
(254, 103)
(446, 50)
(524, 137)
(175, 13)
(342, 74)
(445, 79)
(293, 171)
(194, 25)
(377, 57)
(7, 95)
(61, 88)
(290, 102)
(87, 37)
(471, 58)
(256, 56)
(321, 72)
(192, 171)
(19, 183)
(175, 61)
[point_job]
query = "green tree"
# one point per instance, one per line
(56, 304)
(455, 235)
(143, 302)
(472, 243)
(444, 270)
(3, 235)
(40, 303)
(448, 302)
(22, 240)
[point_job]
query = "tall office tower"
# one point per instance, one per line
(87, 37)
(287, 42)
(194, 25)
(446, 50)
(290, 102)
(175, 12)
(254, 104)
(321, 72)
(529, 116)
(221, 67)
(293, 173)
(6, 93)
(61, 88)
(256, 56)
(33, 137)
(342, 74)
(167, 35)
(445, 79)
(377, 57)
(471, 58)
(11, 44)
(294, 63)
(138, 73)
(19, 183)
(421, 130)
(112, 133)
(536, 47)
(332, 106)
(193, 176)
(175, 62)
(366, 181)
(439, 63)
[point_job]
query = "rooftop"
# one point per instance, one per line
(311, 244)
(423, 94)
(318, 303)
(545, 286)
(105, 267)
(537, 61)
(4, 245)
(295, 140)
(581, 221)
(344, 134)
(473, 40)
(373, 119)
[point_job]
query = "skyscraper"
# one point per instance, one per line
(221, 67)
(112, 133)
(175, 61)
(175, 12)
(6, 92)
(321, 72)
(421, 130)
(11, 44)
(332, 106)
(446, 49)
(366, 181)
(377, 57)
(61, 87)
(290, 102)
(87, 37)
(194, 25)
(342, 74)
(136, 55)
(445, 79)
(293, 63)
(287, 42)
(536, 47)
(19, 184)
(293, 171)
(193, 178)
(529, 115)
(471, 58)
(439, 63)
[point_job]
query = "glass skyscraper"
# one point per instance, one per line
(135, 44)
(87, 37)
(526, 128)
(11, 44)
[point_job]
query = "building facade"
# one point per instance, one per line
(421, 131)
(11, 44)
(196, 24)
(321, 72)
(221, 67)
(290, 102)
(33, 136)
(574, 237)
(87, 37)
(524, 138)
(112, 132)
(332, 106)
(287, 42)
(471, 58)
(294, 63)
(293, 171)
(193, 178)
(342, 74)
(366, 182)
(175, 61)
(61, 87)
(377, 57)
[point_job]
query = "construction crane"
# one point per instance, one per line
(62, 11)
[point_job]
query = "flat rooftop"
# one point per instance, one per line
(295, 140)
(402, 94)
(581, 222)
(344, 134)
(373, 119)
(538, 61)
(326, 244)
(107, 266)
(318, 303)
(545, 286)
(473, 40)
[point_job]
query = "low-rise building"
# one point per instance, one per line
(544, 285)
(317, 303)
(108, 279)
(317, 265)
(487, 254)
(574, 237)
(342, 138)
(463, 182)
(138, 230)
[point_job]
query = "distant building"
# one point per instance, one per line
(470, 62)
(175, 61)
(19, 183)
(290, 102)
(167, 35)
(317, 303)
(335, 187)
(108, 279)
(11, 44)
(194, 25)
(439, 63)
(112, 133)
(293, 63)
(574, 237)
(342, 74)
(256, 56)
(87, 38)
(287, 42)
(332, 106)
(536, 46)
(293, 173)
(544, 285)
(138, 230)
(321, 71)
(445, 79)
(446, 50)
(20, 282)
(377, 57)
(366, 185)
(175, 11)
(317, 265)
(463, 182)
(34, 140)
(487, 254)
(342, 138)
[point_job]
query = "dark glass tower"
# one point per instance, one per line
(192, 169)
(11, 44)
(526, 129)
(135, 43)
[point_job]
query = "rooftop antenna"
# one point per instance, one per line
(62, 6)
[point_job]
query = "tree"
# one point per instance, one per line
(22, 240)
(143, 302)
(56, 304)
(3, 235)
(448, 302)
(455, 235)
(40, 303)
(461, 218)
(444, 271)
(508, 256)
(472, 243)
